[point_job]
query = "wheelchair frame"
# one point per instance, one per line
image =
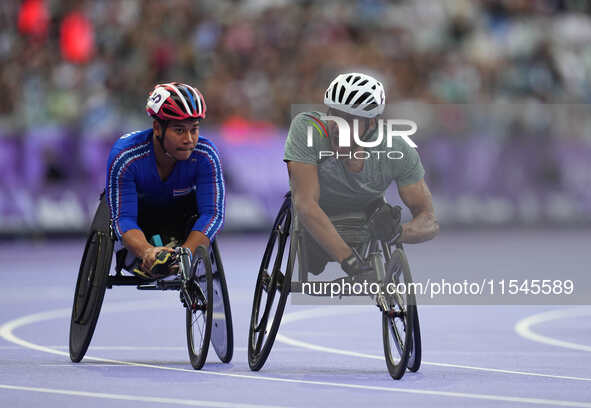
(96, 277)
(262, 332)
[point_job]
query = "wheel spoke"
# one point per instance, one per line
(280, 277)
(266, 280)
(201, 330)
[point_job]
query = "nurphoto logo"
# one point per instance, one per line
(389, 129)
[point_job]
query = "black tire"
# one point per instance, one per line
(414, 359)
(398, 322)
(90, 291)
(200, 310)
(261, 333)
(222, 332)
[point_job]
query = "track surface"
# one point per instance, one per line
(325, 355)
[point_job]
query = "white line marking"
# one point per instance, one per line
(127, 397)
(6, 332)
(149, 348)
(132, 348)
(311, 313)
(70, 365)
(523, 327)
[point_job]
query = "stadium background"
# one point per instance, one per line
(75, 74)
(500, 91)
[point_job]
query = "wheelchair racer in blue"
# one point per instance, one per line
(165, 184)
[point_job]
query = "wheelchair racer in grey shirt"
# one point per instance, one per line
(328, 176)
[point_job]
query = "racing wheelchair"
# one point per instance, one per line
(400, 321)
(201, 282)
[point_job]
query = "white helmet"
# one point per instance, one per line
(356, 94)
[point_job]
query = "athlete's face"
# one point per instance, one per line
(333, 130)
(181, 137)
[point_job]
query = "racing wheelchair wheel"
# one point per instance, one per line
(92, 283)
(267, 307)
(398, 318)
(199, 308)
(222, 334)
(414, 359)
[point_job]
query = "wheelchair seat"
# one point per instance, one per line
(351, 226)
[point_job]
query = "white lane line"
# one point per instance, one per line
(70, 365)
(130, 348)
(312, 313)
(152, 348)
(295, 349)
(127, 397)
(298, 343)
(523, 327)
(6, 332)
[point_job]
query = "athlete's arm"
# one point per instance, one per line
(195, 239)
(211, 198)
(424, 225)
(306, 192)
(122, 199)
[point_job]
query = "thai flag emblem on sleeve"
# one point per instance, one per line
(179, 192)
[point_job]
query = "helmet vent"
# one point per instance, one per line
(364, 99)
(341, 93)
(350, 97)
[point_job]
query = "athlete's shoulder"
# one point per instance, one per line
(206, 147)
(303, 118)
(204, 142)
(133, 139)
(131, 144)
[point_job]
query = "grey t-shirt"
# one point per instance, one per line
(341, 189)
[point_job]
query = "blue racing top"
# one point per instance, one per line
(132, 175)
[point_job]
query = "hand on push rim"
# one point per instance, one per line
(157, 261)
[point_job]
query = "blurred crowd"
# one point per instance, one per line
(75, 75)
(92, 63)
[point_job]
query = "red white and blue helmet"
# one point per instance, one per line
(175, 101)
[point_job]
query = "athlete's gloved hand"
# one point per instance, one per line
(166, 263)
(383, 221)
(353, 265)
(157, 261)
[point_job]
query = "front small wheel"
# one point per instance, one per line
(414, 359)
(222, 332)
(399, 317)
(199, 308)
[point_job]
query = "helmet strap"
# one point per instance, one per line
(163, 127)
(368, 131)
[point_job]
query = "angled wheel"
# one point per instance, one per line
(398, 320)
(91, 284)
(222, 333)
(272, 289)
(199, 308)
(414, 359)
